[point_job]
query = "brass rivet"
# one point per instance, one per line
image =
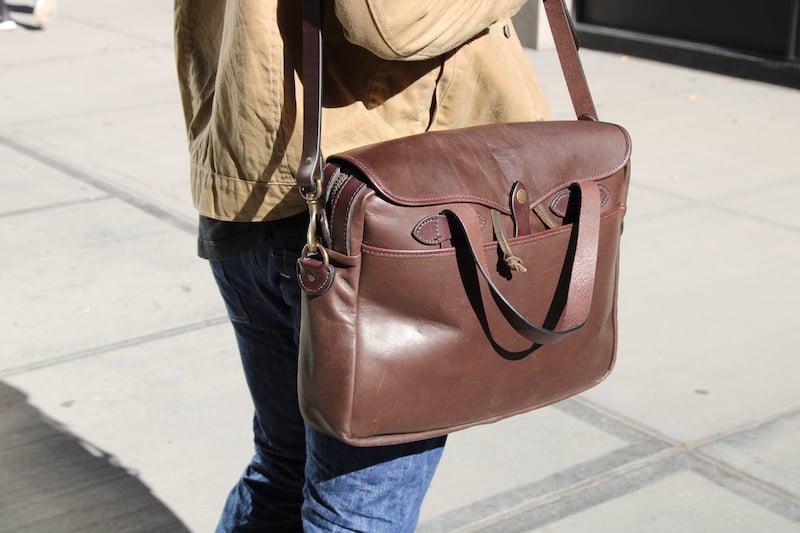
(312, 278)
(309, 160)
(522, 196)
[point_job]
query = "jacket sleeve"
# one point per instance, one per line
(418, 29)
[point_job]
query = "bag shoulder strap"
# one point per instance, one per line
(309, 172)
(566, 40)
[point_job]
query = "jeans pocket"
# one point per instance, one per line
(233, 302)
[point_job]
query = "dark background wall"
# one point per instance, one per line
(757, 40)
(749, 39)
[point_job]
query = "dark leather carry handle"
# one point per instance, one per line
(309, 171)
(575, 311)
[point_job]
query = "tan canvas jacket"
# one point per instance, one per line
(392, 68)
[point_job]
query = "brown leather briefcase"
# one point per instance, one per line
(459, 277)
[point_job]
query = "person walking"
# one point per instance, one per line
(391, 69)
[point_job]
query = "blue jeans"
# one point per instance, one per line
(300, 479)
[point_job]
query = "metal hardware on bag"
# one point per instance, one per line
(313, 246)
(337, 181)
(309, 252)
(314, 277)
(522, 196)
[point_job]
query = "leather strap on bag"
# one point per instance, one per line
(572, 301)
(309, 172)
(567, 45)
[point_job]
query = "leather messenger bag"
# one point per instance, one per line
(459, 277)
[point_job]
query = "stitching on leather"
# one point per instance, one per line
(349, 215)
(419, 255)
(600, 175)
(337, 197)
(335, 207)
(418, 231)
(370, 172)
(555, 201)
(618, 212)
(347, 209)
(605, 196)
(310, 290)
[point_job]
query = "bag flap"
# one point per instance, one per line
(481, 163)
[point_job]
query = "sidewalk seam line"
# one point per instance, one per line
(573, 490)
(128, 198)
(708, 203)
(106, 348)
(94, 112)
(622, 419)
(744, 476)
(102, 27)
(744, 428)
(55, 205)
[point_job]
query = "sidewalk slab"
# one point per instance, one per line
(682, 500)
(706, 344)
(172, 413)
(496, 471)
(766, 452)
(93, 274)
(77, 487)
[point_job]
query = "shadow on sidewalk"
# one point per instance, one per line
(53, 482)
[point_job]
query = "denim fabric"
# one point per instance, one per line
(300, 479)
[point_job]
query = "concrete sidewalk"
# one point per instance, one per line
(122, 404)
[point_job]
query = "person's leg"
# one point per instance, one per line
(375, 490)
(347, 488)
(259, 289)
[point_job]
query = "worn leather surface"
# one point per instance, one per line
(410, 340)
(417, 326)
